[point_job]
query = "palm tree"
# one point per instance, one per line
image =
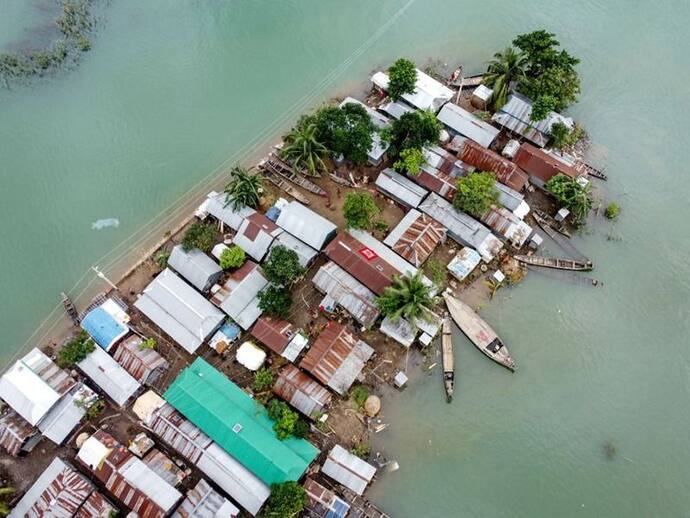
(507, 68)
(244, 188)
(304, 150)
(5, 492)
(407, 297)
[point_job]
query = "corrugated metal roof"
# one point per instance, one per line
(217, 208)
(516, 116)
(276, 334)
(462, 228)
(337, 357)
(60, 491)
(33, 385)
(395, 109)
(399, 330)
(179, 310)
(324, 503)
(195, 446)
(463, 122)
(416, 237)
(347, 292)
(464, 262)
(305, 253)
(14, 432)
(429, 94)
(361, 262)
(238, 298)
(255, 235)
(238, 424)
(96, 506)
(542, 165)
(203, 502)
(195, 266)
(145, 365)
(164, 467)
(306, 225)
(58, 424)
(348, 469)
(133, 483)
(301, 391)
(436, 181)
(486, 160)
(506, 224)
(512, 200)
(103, 327)
(107, 374)
(399, 188)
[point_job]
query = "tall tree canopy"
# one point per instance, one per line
(415, 129)
(575, 197)
(303, 149)
(402, 78)
(360, 210)
(505, 69)
(406, 297)
(346, 131)
(476, 193)
(244, 188)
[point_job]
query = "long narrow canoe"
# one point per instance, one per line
(448, 359)
(285, 186)
(547, 225)
(479, 332)
(556, 262)
(275, 165)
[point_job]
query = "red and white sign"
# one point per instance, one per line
(368, 254)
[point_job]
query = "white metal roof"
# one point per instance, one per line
(348, 469)
(400, 330)
(482, 92)
(203, 501)
(198, 268)
(395, 109)
(400, 188)
(66, 414)
(140, 476)
(105, 372)
(512, 200)
(305, 253)
(306, 225)
(227, 214)
(429, 94)
(24, 390)
(463, 122)
(257, 246)
(242, 303)
(516, 116)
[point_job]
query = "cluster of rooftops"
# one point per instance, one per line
(203, 416)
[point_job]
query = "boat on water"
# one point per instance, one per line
(548, 224)
(557, 263)
(448, 359)
(478, 331)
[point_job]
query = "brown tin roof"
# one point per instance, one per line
(301, 391)
(486, 160)
(540, 164)
(274, 333)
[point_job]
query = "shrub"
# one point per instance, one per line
(282, 266)
(199, 235)
(483, 115)
(263, 380)
(476, 193)
(232, 257)
(95, 409)
(359, 395)
(149, 343)
(569, 193)
(76, 350)
(562, 137)
(360, 210)
(284, 419)
(275, 301)
(542, 106)
(161, 258)
(402, 78)
(301, 429)
(612, 210)
(287, 499)
(439, 274)
(410, 161)
(415, 129)
(346, 130)
(361, 449)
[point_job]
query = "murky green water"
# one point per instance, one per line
(171, 90)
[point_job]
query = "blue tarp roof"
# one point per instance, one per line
(102, 327)
(232, 331)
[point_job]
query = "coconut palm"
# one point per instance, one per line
(407, 297)
(304, 150)
(244, 188)
(506, 69)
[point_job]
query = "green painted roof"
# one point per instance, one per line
(216, 405)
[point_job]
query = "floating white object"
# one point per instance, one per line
(251, 356)
(105, 223)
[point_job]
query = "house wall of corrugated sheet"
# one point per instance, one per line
(301, 391)
(14, 433)
(144, 365)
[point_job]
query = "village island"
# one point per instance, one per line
(238, 369)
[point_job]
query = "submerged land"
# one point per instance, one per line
(364, 192)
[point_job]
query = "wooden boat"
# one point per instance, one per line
(556, 262)
(285, 186)
(479, 332)
(548, 224)
(70, 309)
(448, 359)
(275, 165)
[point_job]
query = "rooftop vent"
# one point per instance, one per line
(237, 428)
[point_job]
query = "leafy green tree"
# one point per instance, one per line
(575, 197)
(301, 429)
(359, 395)
(402, 78)
(415, 129)
(263, 379)
(360, 210)
(303, 149)
(287, 499)
(476, 193)
(232, 257)
(199, 235)
(410, 161)
(550, 70)
(505, 69)
(406, 297)
(284, 419)
(95, 409)
(282, 266)
(275, 301)
(563, 138)
(244, 188)
(75, 350)
(346, 131)
(542, 106)
(5, 493)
